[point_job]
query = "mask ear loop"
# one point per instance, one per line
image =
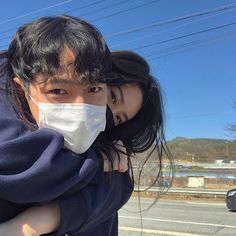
(25, 89)
(36, 103)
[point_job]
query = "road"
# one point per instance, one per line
(177, 218)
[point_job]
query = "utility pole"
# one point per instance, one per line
(227, 147)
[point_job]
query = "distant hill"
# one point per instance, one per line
(202, 149)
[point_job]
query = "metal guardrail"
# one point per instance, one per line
(187, 190)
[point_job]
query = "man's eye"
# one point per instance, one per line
(113, 97)
(95, 89)
(58, 91)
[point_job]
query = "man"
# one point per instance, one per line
(47, 63)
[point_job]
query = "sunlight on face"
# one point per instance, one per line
(64, 88)
(124, 101)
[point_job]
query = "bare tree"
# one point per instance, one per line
(232, 127)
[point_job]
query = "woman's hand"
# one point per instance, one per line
(119, 164)
(33, 221)
(13, 227)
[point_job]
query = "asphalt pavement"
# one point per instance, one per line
(177, 218)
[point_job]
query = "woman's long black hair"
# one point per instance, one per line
(144, 133)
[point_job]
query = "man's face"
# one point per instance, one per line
(64, 88)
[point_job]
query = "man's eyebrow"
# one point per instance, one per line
(56, 80)
(121, 95)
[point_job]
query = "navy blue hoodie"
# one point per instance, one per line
(35, 169)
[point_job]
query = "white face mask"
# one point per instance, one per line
(80, 124)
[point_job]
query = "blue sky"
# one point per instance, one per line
(194, 59)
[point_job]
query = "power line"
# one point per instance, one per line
(9, 30)
(106, 7)
(196, 42)
(120, 12)
(173, 20)
(201, 115)
(30, 13)
(224, 7)
(75, 9)
(34, 12)
(7, 37)
(184, 36)
(88, 13)
(166, 30)
(192, 43)
(186, 46)
(85, 6)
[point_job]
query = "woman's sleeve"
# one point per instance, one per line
(94, 204)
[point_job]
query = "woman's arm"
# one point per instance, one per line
(32, 162)
(101, 202)
(75, 213)
(46, 218)
(35, 165)
(33, 222)
(119, 163)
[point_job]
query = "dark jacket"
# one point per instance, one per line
(35, 169)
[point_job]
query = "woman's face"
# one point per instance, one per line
(124, 101)
(64, 88)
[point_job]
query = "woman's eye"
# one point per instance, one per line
(58, 91)
(95, 89)
(113, 97)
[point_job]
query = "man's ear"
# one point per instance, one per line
(19, 82)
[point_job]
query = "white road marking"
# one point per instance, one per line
(149, 231)
(179, 222)
(208, 203)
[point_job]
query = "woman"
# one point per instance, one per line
(131, 83)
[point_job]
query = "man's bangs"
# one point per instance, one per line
(91, 77)
(45, 58)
